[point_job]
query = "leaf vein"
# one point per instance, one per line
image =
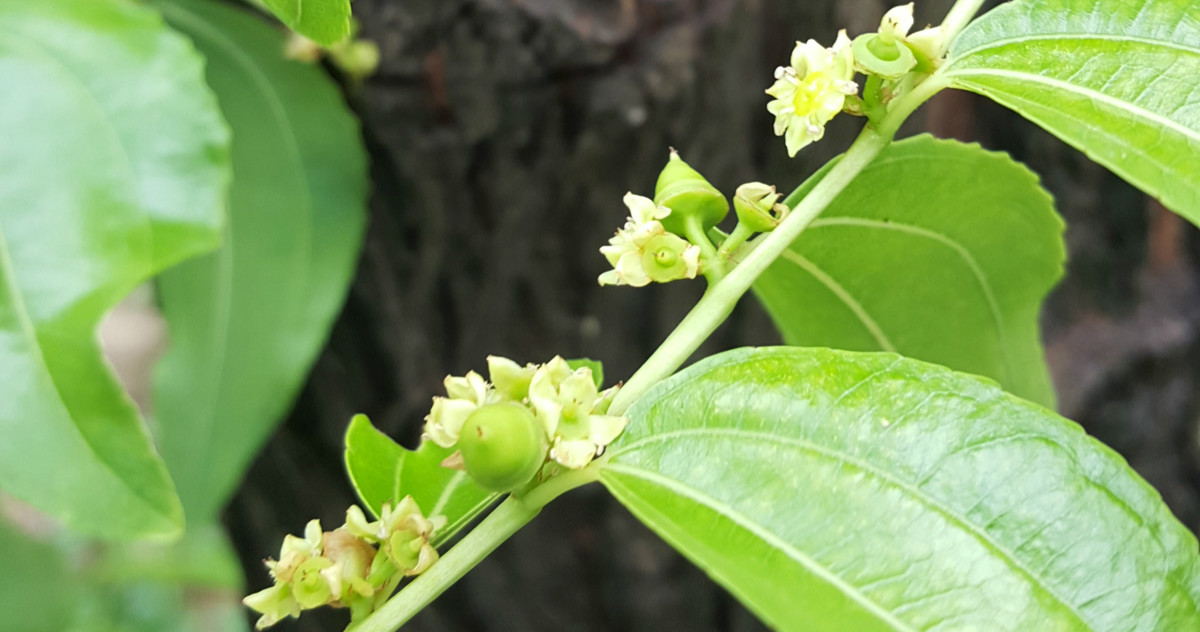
(769, 537)
(1095, 95)
(981, 278)
(1106, 37)
(843, 295)
(869, 468)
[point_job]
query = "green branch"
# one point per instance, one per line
(712, 309)
(721, 297)
(958, 17)
(512, 514)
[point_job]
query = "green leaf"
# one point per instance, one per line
(834, 490)
(383, 472)
(322, 21)
(248, 321)
(113, 165)
(940, 251)
(595, 365)
(1116, 79)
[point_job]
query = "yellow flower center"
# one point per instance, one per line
(811, 92)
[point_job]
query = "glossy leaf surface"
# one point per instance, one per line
(247, 322)
(940, 251)
(113, 165)
(1117, 79)
(383, 471)
(322, 21)
(834, 490)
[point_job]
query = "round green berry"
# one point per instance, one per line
(503, 446)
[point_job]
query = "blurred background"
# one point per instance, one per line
(502, 135)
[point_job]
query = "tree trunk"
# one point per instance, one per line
(503, 134)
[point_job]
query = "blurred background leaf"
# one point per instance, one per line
(113, 166)
(37, 591)
(322, 21)
(247, 322)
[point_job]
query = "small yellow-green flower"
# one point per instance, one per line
(464, 394)
(402, 532)
(300, 582)
(573, 411)
(567, 404)
(811, 91)
(643, 251)
(354, 566)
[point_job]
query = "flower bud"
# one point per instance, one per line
(352, 555)
(503, 446)
(757, 208)
(358, 58)
(683, 190)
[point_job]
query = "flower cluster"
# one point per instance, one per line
(819, 82)
(811, 91)
(567, 402)
(357, 565)
(643, 251)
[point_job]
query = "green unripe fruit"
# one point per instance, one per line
(889, 60)
(683, 190)
(502, 445)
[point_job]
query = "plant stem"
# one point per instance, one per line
(714, 267)
(958, 17)
(720, 298)
(712, 309)
(735, 239)
(512, 514)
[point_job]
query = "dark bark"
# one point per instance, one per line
(503, 134)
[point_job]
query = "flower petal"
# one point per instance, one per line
(573, 454)
(605, 428)
(446, 419)
(897, 21)
(643, 209)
